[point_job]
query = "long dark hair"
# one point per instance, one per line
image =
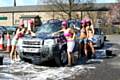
(37, 20)
(89, 22)
(83, 26)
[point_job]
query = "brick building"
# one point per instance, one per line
(11, 15)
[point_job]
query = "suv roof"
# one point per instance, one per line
(54, 21)
(97, 30)
(76, 22)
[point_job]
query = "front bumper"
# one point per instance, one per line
(43, 53)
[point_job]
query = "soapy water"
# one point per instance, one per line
(26, 71)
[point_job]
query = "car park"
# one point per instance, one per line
(99, 36)
(3, 29)
(3, 32)
(45, 46)
(11, 29)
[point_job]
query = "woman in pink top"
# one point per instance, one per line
(70, 36)
(19, 34)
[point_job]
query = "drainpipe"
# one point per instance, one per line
(12, 18)
(81, 15)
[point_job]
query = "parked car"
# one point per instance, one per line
(3, 29)
(11, 29)
(99, 36)
(105, 37)
(76, 22)
(45, 46)
(54, 21)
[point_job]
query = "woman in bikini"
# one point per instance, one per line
(83, 38)
(70, 36)
(90, 34)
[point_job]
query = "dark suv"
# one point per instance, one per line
(44, 46)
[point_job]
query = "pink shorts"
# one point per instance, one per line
(70, 45)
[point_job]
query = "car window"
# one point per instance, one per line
(75, 22)
(3, 28)
(48, 28)
(1, 32)
(11, 28)
(97, 31)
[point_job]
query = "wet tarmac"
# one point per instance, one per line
(26, 71)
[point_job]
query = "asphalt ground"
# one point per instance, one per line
(109, 69)
(102, 68)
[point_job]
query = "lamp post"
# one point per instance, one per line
(13, 12)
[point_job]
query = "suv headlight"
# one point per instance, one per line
(49, 42)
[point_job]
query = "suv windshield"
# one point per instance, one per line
(48, 28)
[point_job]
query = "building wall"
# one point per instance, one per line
(44, 16)
(8, 21)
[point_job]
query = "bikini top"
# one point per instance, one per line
(67, 34)
(82, 31)
(20, 35)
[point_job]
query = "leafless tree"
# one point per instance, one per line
(114, 13)
(68, 6)
(113, 17)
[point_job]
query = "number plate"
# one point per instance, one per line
(32, 50)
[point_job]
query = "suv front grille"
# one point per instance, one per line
(31, 42)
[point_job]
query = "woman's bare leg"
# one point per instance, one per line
(85, 49)
(79, 52)
(72, 59)
(15, 55)
(92, 47)
(69, 58)
(12, 52)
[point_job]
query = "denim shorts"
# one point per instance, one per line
(83, 40)
(92, 40)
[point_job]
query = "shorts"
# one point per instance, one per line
(83, 40)
(70, 46)
(14, 42)
(93, 40)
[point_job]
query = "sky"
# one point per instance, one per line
(4, 3)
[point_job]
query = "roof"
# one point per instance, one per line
(44, 8)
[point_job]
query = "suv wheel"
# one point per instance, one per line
(100, 45)
(61, 59)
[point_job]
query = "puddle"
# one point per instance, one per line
(27, 71)
(6, 76)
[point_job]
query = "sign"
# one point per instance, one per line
(3, 18)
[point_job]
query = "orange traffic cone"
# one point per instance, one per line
(8, 48)
(1, 42)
